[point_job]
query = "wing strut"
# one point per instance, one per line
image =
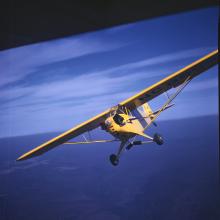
(183, 85)
(90, 142)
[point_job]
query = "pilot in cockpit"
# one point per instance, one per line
(118, 119)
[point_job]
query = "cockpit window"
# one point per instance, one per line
(108, 123)
(118, 119)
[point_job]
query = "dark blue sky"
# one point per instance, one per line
(54, 85)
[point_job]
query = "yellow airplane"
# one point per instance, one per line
(133, 116)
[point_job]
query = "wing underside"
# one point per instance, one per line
(172, 81)
(64, 137)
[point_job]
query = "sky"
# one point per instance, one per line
(54, 85)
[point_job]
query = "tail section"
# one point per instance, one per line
(146, 113)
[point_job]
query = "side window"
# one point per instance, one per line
(118, 119)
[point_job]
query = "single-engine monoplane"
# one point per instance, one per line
(132, 117)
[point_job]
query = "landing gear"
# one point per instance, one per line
(114, 159)
(133, 143)
(129, 146)
(158, 139)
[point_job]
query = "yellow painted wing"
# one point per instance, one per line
(144, 96)
(172, 81)
(64, 137)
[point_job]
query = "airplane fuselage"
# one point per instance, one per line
(121, 127)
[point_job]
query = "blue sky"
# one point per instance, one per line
(54, 85)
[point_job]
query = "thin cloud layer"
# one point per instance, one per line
(50, 86)
(69, 101)
(19, 62)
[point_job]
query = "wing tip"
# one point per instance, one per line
(22, 157)
(19, 158)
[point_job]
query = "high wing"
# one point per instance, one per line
(135, 101)
(64, 137)
(172, 81)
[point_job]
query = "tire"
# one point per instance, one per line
(158, 139)
(129, 146)
(113, 159)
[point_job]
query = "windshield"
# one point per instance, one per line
(118, 119)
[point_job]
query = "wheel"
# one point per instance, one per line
(158, 139)
(137, 142)
(113, 159)
(129, 146)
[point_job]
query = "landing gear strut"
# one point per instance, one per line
(114, 158)
(133, 143)
(158, 139)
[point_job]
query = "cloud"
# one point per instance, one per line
(76, 88)
(61, 104)
(16, 167)
(19, 62)
(64, 111)
(67, 168)
(203, 85)
(99, 84)
(155, 62)
(161, 59)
